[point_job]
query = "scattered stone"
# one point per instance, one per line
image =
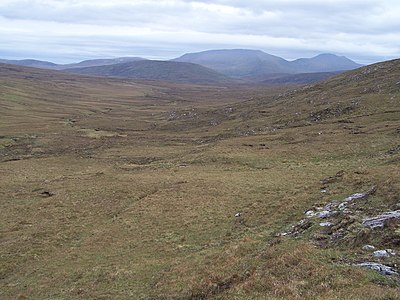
(368, 247)
(310, 213)
(383, 269)
(46, 194)
(327, 214)
(355, 196)
(324, 190)
(384, 253)
(237, 215)
(394, 150)
(342, 206)
(382, 220)
(326, 224)
(330, 206)
(361, 195)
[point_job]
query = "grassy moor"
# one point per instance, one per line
(117, 188)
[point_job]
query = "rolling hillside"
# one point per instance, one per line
(99, 62)
(158, 70)
(86, 63)
(302, 78)
(31, 63)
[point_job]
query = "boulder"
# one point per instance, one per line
(384, 253)
(368, 247)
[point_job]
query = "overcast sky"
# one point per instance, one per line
(70, 30)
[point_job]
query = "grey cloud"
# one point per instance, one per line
(165, 27)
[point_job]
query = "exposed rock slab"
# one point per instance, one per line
(382, 220)
(383, 269)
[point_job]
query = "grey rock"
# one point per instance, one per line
(355, 196)
(368, 247)
(310, 213)
(327, 214)
(383, 269)
(384, 253)
(342, 206)
(381, 221)
(330, 206)
(326, 224)
(381, 253)
(361, 195)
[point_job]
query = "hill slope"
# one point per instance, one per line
(31, 63)
(99, 62)
(301, 78)
(158, 70)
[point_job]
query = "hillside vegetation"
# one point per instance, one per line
(120, 189)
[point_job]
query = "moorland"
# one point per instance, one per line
(114, 188)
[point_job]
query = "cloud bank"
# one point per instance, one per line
(70, 30)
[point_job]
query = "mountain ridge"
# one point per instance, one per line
(245, 63)
(222, 66)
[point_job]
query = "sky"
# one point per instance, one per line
(65, 31)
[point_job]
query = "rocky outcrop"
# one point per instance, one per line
(383, 220)
(383, 269)
(344, 223)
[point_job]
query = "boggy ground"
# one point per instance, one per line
(113, 189)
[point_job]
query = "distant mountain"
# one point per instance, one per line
(255, 64)
(86, 63)
(100, 62)
(238, 62)
(158, 70)
(31, 63)
(324, 63)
